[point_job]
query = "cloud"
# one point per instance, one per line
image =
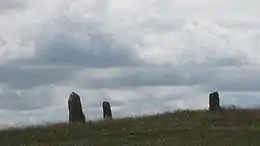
(66, 40)
(85, 50)
(223, 78)
(244, 79)
(12, 4)
(240, 99)
(29, 77)
(201, 42)
(116, 78)
(22, 100)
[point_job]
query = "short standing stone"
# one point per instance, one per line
(75, 109)
(214, 104)
(107, 113)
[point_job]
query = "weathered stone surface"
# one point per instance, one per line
(107, 113)
(214, 104)
(75, 109)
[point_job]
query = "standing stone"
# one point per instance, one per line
(214, 104)
(107, 113)
(75, 109)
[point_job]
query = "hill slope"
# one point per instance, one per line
(230, 127)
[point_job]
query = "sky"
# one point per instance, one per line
(144, 57)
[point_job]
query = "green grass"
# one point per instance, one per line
(233, 127)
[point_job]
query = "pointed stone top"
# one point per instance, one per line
(106, 103)
(73, 94)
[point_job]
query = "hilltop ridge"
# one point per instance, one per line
(238, 127)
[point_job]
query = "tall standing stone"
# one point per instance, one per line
(75, 109)
(214, 104)
(107, 113)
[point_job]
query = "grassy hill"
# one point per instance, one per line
(233, 127)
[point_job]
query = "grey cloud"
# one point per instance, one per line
(141, 79)
(240, 99)
(163, 26)
(98, 51)
(214, 62)
(132, 78)
(239, 25)
(12, 4)
(223, 78)
(12, 100)
(69, 43)
(23, 78)
(228, 79)
(67, 46)
(245, 83)
(225, 62)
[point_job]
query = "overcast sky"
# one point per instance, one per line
(143, 56)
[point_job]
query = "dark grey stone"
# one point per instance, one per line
(214, 102)
(75, 109)
(107, 113)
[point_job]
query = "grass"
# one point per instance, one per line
(232, 127)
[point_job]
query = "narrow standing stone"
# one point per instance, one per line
(214, 104)
(107, 113)
(75, 109)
